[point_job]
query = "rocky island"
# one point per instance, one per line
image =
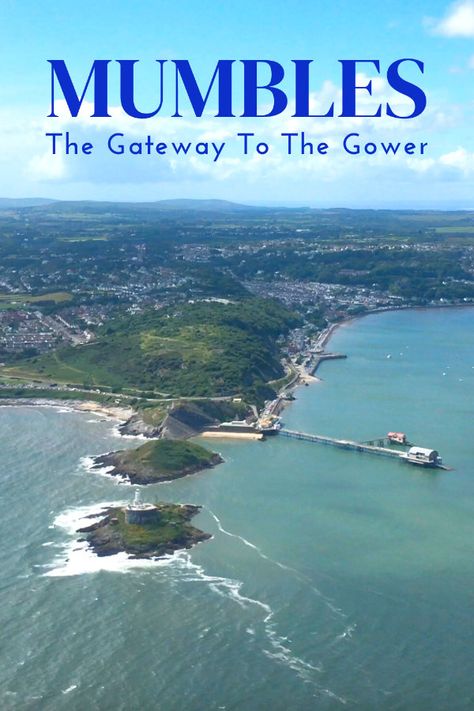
(144, 530)
(158, 461)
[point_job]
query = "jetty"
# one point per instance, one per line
(342, 443)
(424, 457)
(317, 357)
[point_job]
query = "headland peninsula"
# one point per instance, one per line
(181, 317)
(157, 461)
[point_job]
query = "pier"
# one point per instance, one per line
(342, 443)
(428, 458)
(318, 357)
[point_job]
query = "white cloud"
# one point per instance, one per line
(47, 167)
(460, 159)
(457, 22)
(453, 167)
(102, 168)
(27, 166)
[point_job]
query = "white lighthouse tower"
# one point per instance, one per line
(140, 513)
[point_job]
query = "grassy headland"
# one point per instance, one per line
(159, 460)
(205, 349)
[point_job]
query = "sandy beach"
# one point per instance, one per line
(121, 414)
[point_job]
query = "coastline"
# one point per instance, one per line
(382, 310)
(231, 435)
(326, 335)
(113, 464)
(122, 415)
(111, 412)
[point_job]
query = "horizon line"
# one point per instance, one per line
(251, 204)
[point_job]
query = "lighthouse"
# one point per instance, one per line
(141, 514)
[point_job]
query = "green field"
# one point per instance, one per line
(461, 230)
(16, 300)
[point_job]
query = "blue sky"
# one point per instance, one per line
(439, 33)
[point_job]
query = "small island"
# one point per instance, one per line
(144, 530)
(158, 461)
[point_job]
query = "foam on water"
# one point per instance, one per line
(347, 633)
(89, 464)
(116, 433)
(279, 650)
(69, 689)
(78, 516)
(297, 574)
(78, 558)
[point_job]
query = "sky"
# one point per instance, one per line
(439, 33)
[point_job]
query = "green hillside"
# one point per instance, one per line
(158, 461)
(200, 349)
(165, 457)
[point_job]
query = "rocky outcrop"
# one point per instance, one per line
(111, 534)
(175, 428)
(184, 421)
(135, 426)
(142, 475)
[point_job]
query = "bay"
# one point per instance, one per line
(334, 579)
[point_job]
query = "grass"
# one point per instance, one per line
(462, 230)
(12, 300)
(49, 394)
(201, 349)
(171, 526)
(153, 415)
(165, 457)
(282, 382)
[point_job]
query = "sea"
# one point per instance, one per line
(334, 579)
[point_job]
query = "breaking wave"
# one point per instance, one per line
(78, 558)
(296, 573)
(89, 464)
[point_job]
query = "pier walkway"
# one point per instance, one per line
(342, 443)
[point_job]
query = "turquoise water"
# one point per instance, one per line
(334, 579)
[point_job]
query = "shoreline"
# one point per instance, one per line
(112, 412)
(142, 476)
(122, 415)
(328, 333)
(373, 312)
(230, 435)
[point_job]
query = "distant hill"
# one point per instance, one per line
(185, 204)
(13, 203)
(159, 206)
(213, 206)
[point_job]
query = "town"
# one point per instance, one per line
(71, 270)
